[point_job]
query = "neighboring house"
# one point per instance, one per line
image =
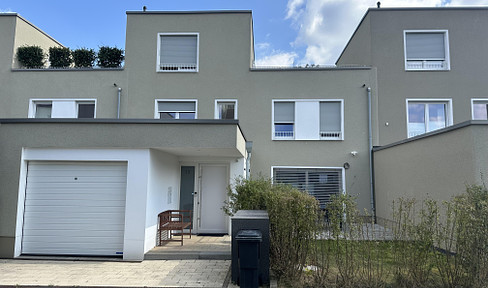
(179, 122)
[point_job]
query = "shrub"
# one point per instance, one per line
(110, 57)
(60, 57)
(84, 57)
(293, 217)
(31, 56)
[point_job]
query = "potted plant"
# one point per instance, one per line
(110, 57)
(30, 56)
(60, 57)
(84, 57)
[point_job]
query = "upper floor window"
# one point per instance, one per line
(176, 109)
(177, 52)
(314, 119)
(427, 115)
(62, 108)
(426, 50)
(479, 108)
(226, 109)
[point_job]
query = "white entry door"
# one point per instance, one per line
(213, 193)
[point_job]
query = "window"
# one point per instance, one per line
(177, 52)
(322, 183)
(176, 109)
(62, 108)
(426, 50)
(86, 110)
(308, 119)
(330, 120)
(226, 109)
(427, 116)
(43, 109)
(479, 109)
(284, 118)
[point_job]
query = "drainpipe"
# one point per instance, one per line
(370, 148)
(248, 158)
(119, 91)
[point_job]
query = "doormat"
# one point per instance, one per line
(212, 234)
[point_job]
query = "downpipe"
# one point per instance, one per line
(370, 148)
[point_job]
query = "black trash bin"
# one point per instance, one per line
(249, 248)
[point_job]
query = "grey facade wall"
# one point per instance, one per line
(467, 38)
(436, 166)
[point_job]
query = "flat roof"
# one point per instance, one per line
(192, 12)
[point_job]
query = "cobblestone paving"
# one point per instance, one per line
(151, 273)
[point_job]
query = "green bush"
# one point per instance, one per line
(110, 57)
(31, 56)
(84, 57)
(60, 57)
(293, 217)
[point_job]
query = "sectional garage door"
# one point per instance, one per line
(74, 208)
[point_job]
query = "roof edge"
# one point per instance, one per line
(115, 121)
(192, 12)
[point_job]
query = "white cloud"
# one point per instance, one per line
(277, 59)
(325, 26)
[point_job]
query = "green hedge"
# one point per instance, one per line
(60, 57)
(31, 56)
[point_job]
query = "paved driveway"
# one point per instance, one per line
(149, 273)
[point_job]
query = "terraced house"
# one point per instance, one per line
(89, 157)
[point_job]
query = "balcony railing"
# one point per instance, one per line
(284, 134)
(426, 65)
(331, 135)
(185, 67)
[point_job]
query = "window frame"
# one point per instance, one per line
(449, 114)
(473, 100)
(158, 56)
(34, 101)
(156, 108)
(447, 62)
(342, 169)
(319, 137)
(216, 108)
(85, 102)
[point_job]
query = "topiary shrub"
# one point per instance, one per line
(30, 56)
(84, 57)
(110, 57)
(60, 57)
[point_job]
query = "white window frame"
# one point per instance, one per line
(86, 102)
(158, 56)
(156, 110)
(273, 101)
(216, 109)
(446, 66)
(449, 113)
(342, 169)
(34, 101)
(473, 100)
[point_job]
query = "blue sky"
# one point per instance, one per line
(286, 32)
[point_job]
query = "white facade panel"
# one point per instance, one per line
(75, 208)
(307, 120)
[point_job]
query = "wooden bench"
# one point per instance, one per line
(174, 222)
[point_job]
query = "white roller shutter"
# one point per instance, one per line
(74, 208)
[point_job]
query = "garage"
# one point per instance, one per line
(74, 208)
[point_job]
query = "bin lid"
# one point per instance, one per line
(249, 235)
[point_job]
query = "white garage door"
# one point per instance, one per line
(74, 208)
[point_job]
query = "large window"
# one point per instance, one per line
(62, 108)
(176, 109)
(177, 52)
(426, 50)
(308, 119)
(427, 115)
(322, 183)
(479, 109)
(226, 109)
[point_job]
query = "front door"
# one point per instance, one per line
(213, 193)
